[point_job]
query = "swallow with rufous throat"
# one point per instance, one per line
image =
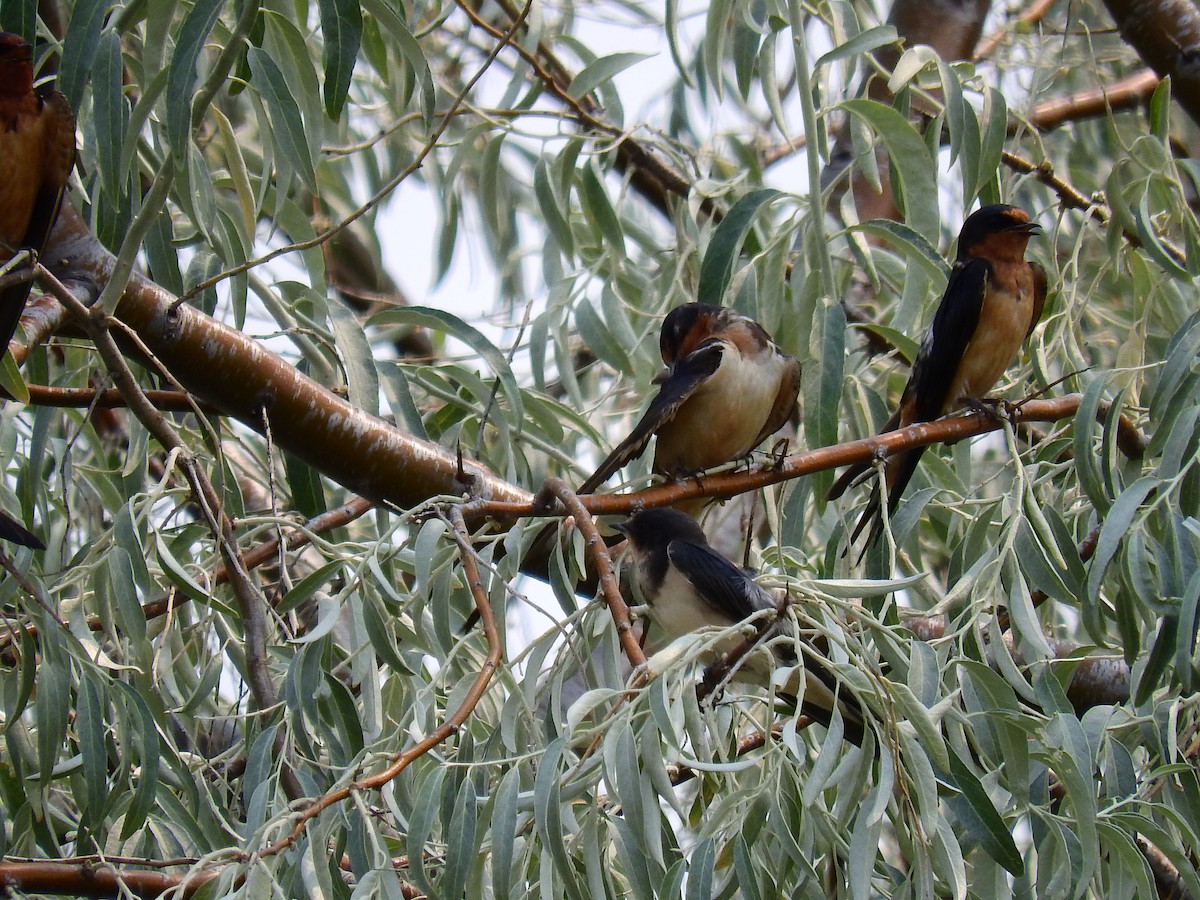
(37, 151)
(993, 300)
(688, 586)
(726, 389)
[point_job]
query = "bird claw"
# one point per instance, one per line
(995, 408)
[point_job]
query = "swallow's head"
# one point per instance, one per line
(999, 231)
(685, 327)
(16, 65)
(649, 530)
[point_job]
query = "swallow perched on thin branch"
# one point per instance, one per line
(726, 389)
(37, 151)
(689, 585)
(992, 302)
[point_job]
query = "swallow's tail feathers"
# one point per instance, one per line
(13, 531)
(822, 695)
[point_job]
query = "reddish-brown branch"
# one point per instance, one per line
(722, 486)
(1030, 16)
(602, 563)
(403, 760)
(237, 376)
(163, 401)
(92, 880)
(1125, 93)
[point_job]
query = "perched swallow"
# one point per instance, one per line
(992, 302)
(726, 389)
(689, 585)
(37, 151)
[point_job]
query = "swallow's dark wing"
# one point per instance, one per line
(785, 402)
(942, 350)
(674, 388)
(53, 154)
(12, 530)
(1041, 286)
(726, 588)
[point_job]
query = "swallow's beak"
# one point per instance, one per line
(622, 527)
(1029, 228)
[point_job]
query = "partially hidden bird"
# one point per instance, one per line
(993, 300)
(688, 586)
(37, 151)
(726, 389)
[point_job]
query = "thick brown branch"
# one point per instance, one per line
(237, 376)
(1125, 93)
(1166, 35)
(89, 880)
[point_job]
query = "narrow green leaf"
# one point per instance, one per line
(145, 791)
(1086, 460)
(1117, 524)
(599, 209)
(601, 70)
(288, 131)
(181, 79)
(862, 43)
(504, 834)
(547, 805)
(90, 729)
(983, 822)
(914, 246)
(911, 162)
(716, 270)
(342, 27)
(85, 27)
(110, 112)
(461, 845)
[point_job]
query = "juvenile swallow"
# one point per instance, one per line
(37, 151)
(993, 300)
(688, 585)
(726, 389)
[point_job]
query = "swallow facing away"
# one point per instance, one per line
(726, 389)
(37, 151)
(993, 300)
(688, 585)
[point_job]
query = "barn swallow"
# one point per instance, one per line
(37, 151)
(688, 585)
(726, 389)
(993, 300)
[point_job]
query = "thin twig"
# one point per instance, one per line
(402, 761)
(251, 601)
(379, 195)
(602, 562)
(254, 557)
